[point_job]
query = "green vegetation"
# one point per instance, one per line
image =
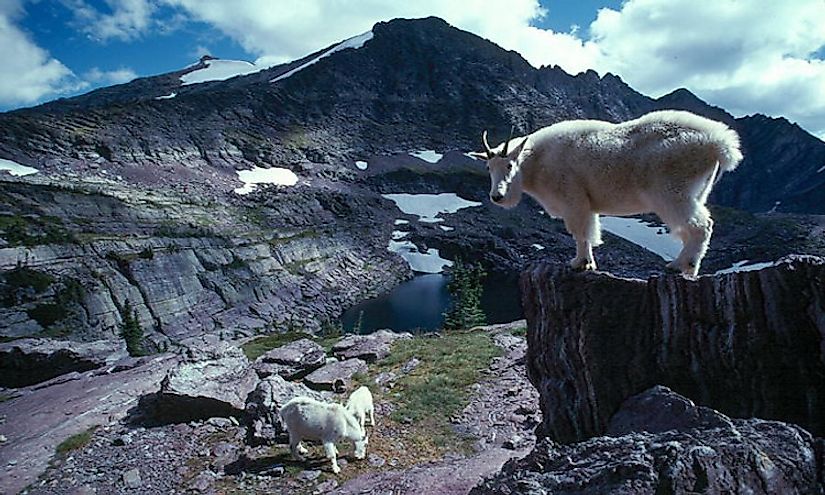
(259, 346)
(6, 396)
(147, 253)
(24, 277)
(466, 289)
(237, 263)
(439, 386)
(33, 230)
(75, 442)
(519, 332)
(131, 331)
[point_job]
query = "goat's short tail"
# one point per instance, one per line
(728, 148)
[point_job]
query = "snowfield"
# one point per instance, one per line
(743, 266)
(274, 175)
(429, 206)
(429, 262)
(361, 165)
(15, 168)
(166, 97)
(651, 237)
(354, 43)
(220, 70)
(427, 155)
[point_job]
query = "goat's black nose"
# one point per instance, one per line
(496, 197)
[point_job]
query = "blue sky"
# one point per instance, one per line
(733, 53)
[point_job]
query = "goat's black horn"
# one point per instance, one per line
(507, 143)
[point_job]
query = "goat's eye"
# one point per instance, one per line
(509, 167)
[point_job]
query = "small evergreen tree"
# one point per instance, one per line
(131, 330)
(465, 293)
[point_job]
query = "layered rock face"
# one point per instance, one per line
(749, 344)
(187, 266)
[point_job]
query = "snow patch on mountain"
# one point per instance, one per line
(427, 155)
(258, 175)
(429, 262)
(166, 97)
(220, 70)
(354, 43)
(651, 237)
(429, 206)
(15, 168)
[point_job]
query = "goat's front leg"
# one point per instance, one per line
(372, 416)
(332, 453)
(298, 450)
(586, 231)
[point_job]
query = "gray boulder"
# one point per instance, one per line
(26, 362)
(699, 451)
(212, 381)
(370, 348)
(292, 360)
(263, 404)
(335, 376)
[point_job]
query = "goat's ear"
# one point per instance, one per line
(518, 149)
(478, 155)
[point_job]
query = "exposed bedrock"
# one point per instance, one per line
(748, 344)
(694, 450)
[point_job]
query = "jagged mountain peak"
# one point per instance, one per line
(407, 84)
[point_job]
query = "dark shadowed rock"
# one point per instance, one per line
(747, 343)
(335, 375)
(292, 360)
(25, 362)
(747, 456)
(370, 348)
(660, 409)
(214, 381)
(263, 404)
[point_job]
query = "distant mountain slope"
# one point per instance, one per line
(416, 84)
(784, 166)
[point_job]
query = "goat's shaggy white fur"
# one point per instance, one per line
(309, 419)
(664, 162)
(360, 405)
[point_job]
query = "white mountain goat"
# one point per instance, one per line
(309, 419)
(360, 405)
(664, 162)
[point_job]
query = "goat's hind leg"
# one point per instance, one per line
(586, 231)
(695, 233)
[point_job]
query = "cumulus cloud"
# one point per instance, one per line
(97, 76)
(744, 55)
(125, 19)
(30, 73)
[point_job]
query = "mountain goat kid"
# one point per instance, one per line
(664, 162)
(360, 405)
(309, 419)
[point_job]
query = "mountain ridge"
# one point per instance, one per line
(418, 83)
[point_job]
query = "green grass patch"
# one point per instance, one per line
(439, 386)
(259, 346)
(77, 441)
(519, 332)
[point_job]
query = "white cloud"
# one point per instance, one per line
(29, 72)
(125, 19)
(117, 76)
(746, 56)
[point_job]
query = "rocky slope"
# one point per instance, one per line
(417, 84)
(187, 266)
(663, 443)
(747, 344)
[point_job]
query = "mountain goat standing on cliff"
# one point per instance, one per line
(664, 162)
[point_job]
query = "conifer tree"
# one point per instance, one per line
(465, 291)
